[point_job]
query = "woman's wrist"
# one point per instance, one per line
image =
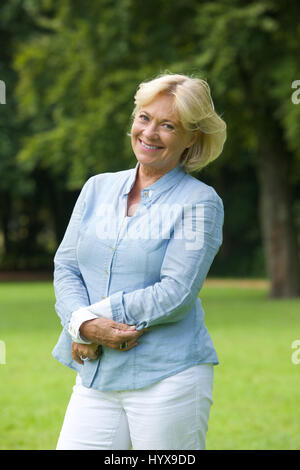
(87, 330)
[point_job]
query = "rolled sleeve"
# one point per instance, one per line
(78, 317)
(100, 309)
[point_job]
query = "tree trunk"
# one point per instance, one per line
(278, 230)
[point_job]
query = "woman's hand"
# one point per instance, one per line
(80, 351)
(110, 333)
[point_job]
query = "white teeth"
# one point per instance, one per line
(149, 146)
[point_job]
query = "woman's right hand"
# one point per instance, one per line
(110, 333)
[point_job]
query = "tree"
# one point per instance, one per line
(79, 70)
(251, 55)
(16, 184)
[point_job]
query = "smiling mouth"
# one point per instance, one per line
(149, 147)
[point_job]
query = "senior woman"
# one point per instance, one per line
(135, 254)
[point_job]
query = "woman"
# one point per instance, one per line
(127, 275)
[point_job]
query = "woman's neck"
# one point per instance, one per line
(147, 175)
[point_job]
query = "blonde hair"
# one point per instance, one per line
(196, 111)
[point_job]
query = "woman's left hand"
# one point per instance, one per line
(83, 351)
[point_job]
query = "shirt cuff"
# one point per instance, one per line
(100, 309)
(78, 317)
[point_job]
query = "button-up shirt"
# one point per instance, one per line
(150, 266)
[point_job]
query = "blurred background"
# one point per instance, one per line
(69, 71)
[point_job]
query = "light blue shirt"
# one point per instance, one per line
(151, 266)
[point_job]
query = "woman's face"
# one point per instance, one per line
(158, 138)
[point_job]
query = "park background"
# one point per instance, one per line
(71, 69)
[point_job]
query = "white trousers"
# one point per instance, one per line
(170, 414)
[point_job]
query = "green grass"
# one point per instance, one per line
(34, 387)
(256, 393)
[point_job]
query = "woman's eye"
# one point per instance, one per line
(143, 117)
(169, 127)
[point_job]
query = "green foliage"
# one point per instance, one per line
(73, 69)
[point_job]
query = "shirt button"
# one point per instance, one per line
(112, 248)
(107, 272)
(145, 193)
(103, 297)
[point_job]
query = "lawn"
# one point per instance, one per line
(256, 394)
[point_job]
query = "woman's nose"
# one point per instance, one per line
(151, 130)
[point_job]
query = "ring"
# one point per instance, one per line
(123, 345)
(83, 358)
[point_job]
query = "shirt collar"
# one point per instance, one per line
(162, 184)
